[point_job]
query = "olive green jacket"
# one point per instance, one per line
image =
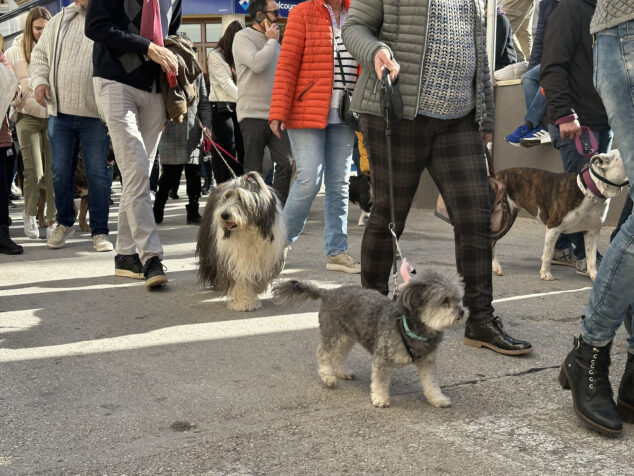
(401, 27)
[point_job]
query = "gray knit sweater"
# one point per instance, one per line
(62, 60)
(255, 57)
(610, 13)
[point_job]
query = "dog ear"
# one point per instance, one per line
(413, 295)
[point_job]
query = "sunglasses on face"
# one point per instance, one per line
(275, 12)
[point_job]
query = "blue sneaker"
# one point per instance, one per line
(535, 137)
(515, 137)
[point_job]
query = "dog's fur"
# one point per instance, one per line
(241, 240)
(350, 314)
(556, 200)
(360, 193)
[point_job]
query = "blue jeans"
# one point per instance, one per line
(63, 132)
(321, 154)
(613, 288)
(574, 162)
(535, 100)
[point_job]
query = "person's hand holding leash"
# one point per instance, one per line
(276, 126)
(570, 130)
(382, 60)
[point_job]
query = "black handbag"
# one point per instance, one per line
(345, 113)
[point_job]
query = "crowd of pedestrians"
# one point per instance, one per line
(100, 74)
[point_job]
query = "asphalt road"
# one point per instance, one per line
(100, 376)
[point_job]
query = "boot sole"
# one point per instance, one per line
(479, 343)
(124, 273)
(155, 281)
(626, 412)
(564, 381)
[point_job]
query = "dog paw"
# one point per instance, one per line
(442, 401)
(329, 380)
(243, 306)
(546, 276)
(380, 403)
(346, 376)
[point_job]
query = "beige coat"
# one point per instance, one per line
(25, 103)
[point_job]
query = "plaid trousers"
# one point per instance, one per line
(453, 152)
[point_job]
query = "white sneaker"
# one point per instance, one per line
(30, 226)
(102, 243)
(49, 230)
(59, 235)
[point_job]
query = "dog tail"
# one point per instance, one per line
(293, 291)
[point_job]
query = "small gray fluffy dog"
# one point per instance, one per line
(396, 333)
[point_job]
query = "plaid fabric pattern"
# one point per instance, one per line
(453, 152)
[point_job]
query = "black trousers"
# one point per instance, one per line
(257, 135)
(453, 153)
(227, 133)
(4, 190)
(171, 175)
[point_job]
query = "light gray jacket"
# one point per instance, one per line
(401, 27)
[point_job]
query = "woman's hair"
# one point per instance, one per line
(28, 42)
(225, 43)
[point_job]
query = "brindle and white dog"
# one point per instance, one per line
(566, 203)
(241, 240)
(396, 333)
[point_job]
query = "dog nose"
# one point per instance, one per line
(224, 216)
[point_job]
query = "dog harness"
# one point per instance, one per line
(404, 331)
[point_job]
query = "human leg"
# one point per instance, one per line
(337, 160)
(520, 13)
(280, 148)
(93, 137)
(411, 144)
(135, 119)
(309, 146)
(63, 134)
(170, 175)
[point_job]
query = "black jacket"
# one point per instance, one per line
(120, 54)
(566, 69)
(546, 8)
(505, 53)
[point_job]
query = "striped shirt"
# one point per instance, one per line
(348, 64)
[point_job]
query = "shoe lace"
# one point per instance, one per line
(599, 369)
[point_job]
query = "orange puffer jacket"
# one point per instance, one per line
(304, 75)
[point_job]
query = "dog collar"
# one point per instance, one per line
(409, 332)
(587, 185)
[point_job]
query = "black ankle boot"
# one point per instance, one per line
(193, 217)
(585, 373)
(491, 334)
(625, 402)
(7, 245)
(159, 207)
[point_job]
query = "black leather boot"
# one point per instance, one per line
(7, 245)
(159, 206)
(491, 334)
(585, 373)
(625, 403)
(193, 217)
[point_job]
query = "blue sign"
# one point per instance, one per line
(242, 6)
(206, 7)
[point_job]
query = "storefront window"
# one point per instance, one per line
(213, 32)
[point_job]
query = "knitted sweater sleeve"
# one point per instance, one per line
(39, 68)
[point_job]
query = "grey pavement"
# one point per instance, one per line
(100, 376)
